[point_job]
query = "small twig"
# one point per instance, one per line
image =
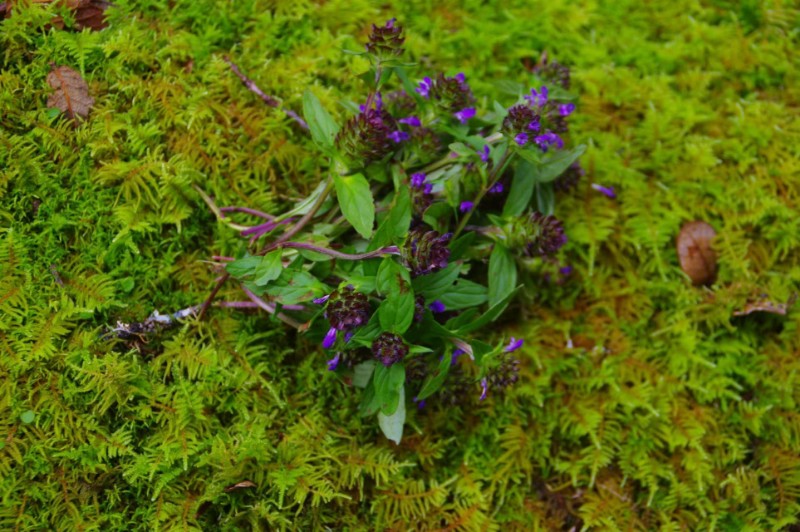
(389, 250)
(269, 100)
(271, 309)
(248, 210)
(207, 303)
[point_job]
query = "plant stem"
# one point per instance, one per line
(271, 309)
(494, 177)
(304, 220)
(207, 303)
(389, 250)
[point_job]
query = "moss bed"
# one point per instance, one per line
(643, 403)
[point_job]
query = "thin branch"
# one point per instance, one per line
(207, 303)
(248, 210)
(271, 309)
(269, 100)
(389, 250)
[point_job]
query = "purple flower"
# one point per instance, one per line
(608, 191)
(390, 22)
(457, 353)
(460, 77)
(465, 114)
(521, 139)
(466, 206)
(425, 251)
(348, 335)
(420, 404)
(398, 136)
(334, 362)
(514, 345)
(497, 188)
(566, 109)
(566, 270)
(484, 388)
(322, 300)
(330, 338)
(539, 97)
(484, 153)
(389, 348)
(535, 125)
(437, 307)
(428, 188)
(417, 180)
(549, 139)
(425, 87)
(412, 121)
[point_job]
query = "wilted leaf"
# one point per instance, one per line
(71, 92)
(240, 485)
(762, 304)
(87, 13)
(697, 258)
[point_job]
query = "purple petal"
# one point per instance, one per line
(514, 345)
(390, 22)
(428, 188)
(466, 206)
(424, 88)
(566, 270)
(437, 307)
(348, 335)
(457, 353)
(417, 180)
(412, 121)
(334, 362)
(330, 338)
(484, 154)
(465, 114)
(566, 109)
(484, 388)
(398, 136)
(535, 125)
(538, 98)
(321, 300)
(497, 188)
(460, 77)
(521, 139)
(608, 191)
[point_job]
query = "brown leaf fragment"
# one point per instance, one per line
(89, 13)
(71, 92)
(240, 485)
(763, 304)
(697, 258)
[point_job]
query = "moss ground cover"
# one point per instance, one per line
(643, 403)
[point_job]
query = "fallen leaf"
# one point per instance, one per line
(71, 92)
(763, 304)
(697, 258)
(87, 13)
(240, 485)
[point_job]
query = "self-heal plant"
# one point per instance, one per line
(388, 277)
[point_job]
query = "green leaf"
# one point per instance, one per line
(437, 378)
(433, 285)
(388, 383)
(461, 245)
(464, 294)
(461, 149)
(490, 315)
(555, 163)
(519, 196)
(295, 286)
(323, 127)
(269, 269)
(28, 416)
(545, 198)
(392, 278)
(396, 223)
(502, 274)
(244, 266)
(480, 350)
(392, 425)
(397, 312)
(355, 200)
(362, 373)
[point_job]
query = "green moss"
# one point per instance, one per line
(666, 412)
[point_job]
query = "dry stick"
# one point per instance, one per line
(271, 309)
(269, 100)
(207, 303)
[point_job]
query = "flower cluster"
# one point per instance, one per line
(430, 196)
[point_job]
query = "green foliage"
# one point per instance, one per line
(643, 404)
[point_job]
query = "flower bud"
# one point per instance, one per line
(389, 348)
(425, 251)
(347, 309)
(536, 235)
(387, 40)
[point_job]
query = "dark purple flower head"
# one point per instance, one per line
(553, 72)
(389, 348)
(347, 309)
(521, 139)
(412, 121)
(538, 98)
(387, 40)
(465, 114)
(505, 374)
(607, 191)
(569, 178)
(545, 235)
(425, 251)
(549, 139)
(419, 308)
(437, 307)
(519, 120)
(466, 206)
(424, 88)
(368, 136)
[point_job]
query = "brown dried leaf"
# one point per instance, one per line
(240, 485)
(72, 92)
(762, 304)
(88, 13)
(697, 258)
